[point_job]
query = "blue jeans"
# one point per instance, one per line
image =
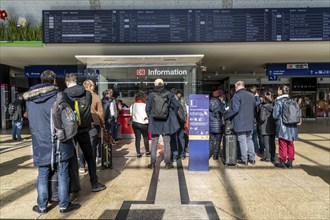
(246, 145)
(63, 185)
(16, 129)
(114, 128)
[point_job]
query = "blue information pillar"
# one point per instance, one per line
(198, 133)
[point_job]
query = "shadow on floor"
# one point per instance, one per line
(11, 166)
(320, 171)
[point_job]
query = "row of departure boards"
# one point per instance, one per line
(170, 26)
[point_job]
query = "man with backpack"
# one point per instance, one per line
(287, 115)
(16, 110)
(82, 100)
(162, 108)
(39, 101)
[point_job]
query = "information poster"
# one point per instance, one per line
(198, 133)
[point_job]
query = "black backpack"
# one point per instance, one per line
(63, 120)
(161, 106)
(11, 109)
(291, 113)
(83, 110)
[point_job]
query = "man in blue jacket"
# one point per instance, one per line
(164, 127)
(39, 101)
(242, 113)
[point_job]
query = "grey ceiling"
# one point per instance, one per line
(224, 58)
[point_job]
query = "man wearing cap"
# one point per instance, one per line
(164, 127)
(217, 110)
(241, 112)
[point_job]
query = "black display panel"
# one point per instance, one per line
(170, 26)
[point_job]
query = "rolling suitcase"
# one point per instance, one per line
(230, 148)
(106, 153)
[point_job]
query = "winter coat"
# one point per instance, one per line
(108, 117)
(77, 92)
(39, 101)
(284, 131)
(217, 110)
(242, 111)
(266, 120)
(171, 124)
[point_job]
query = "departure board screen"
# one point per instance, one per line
(195, 25)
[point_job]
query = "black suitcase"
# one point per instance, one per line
(106, 157)
(230, 149)
(106, 153)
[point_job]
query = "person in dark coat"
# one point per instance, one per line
(217, 110)
(77, 92)
(39, 101)
(268, 126)
(164, 127)
(17, 118)
(242, 113)
(286, 134)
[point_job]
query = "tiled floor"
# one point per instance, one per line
(136, 192)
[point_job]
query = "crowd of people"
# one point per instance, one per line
(256, 118)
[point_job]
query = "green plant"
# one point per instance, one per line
(9, 31)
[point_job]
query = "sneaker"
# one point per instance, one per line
(240, 162)
(151, 166)
(139, 155)
(148, 153)
(37, 210)
(168, 166)
(82, 170)
(253, 162)
(280, 164)
(264, 160)
(70, 207)
(98, 187)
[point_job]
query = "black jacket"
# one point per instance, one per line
(39, 101)
(266, 120)
(19, 110)
(217, 110)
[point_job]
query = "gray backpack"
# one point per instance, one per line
(291, 112)
(63, 120)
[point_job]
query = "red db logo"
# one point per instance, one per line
(140, 72)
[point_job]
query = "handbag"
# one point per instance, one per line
(107, 137)
(130, 121)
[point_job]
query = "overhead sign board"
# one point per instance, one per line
(186, 25)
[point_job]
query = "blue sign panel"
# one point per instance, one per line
(198, 133)
(60, 71)
(310, 69)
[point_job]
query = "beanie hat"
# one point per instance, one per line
(158, 82)
(217, 93)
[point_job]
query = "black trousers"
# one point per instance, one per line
(82, 137)
(138, 130)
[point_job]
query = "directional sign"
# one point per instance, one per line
(311, 69)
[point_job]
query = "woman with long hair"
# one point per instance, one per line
(140, 122)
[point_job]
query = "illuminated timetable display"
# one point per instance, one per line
(185, 25)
